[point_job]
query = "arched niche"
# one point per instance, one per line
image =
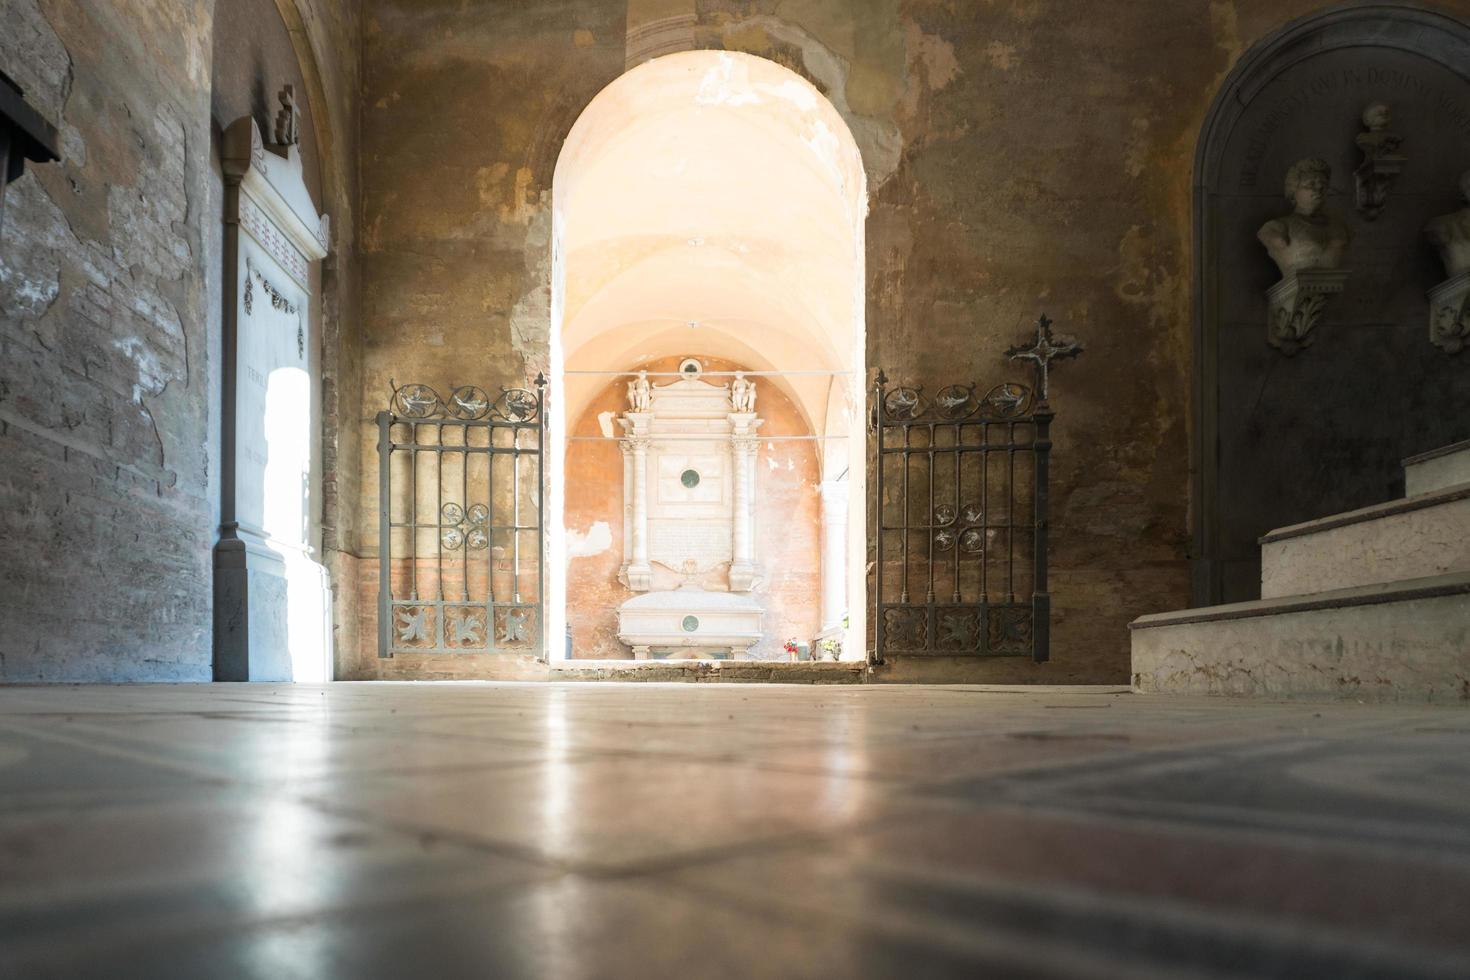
(1284, 439)
(712, 203)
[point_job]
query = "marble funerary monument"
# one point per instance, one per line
(689, 452)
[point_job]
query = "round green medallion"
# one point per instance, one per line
(689, 478)
(690, 624)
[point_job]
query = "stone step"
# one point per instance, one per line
(1437, 469)
(1403, 641)
(1418, 536)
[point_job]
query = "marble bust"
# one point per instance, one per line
(1376, 141)
(1310, 237)
(1450, 233)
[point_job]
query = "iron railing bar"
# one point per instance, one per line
(385, 535)
(474, 450)
(957, 496)
(933, 434)
(439, 516)
(515, 536)
(464, 501)
(413, 507)
(1011, 515)
(541, 637)
(903, 593)
(878, 639)
(485, 423)
(985, 511)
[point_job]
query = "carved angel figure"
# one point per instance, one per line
(640, 393)
(742, 394)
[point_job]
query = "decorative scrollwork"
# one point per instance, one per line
(1010, 629)
(466, 403)
(1007, 400)
(903, 404)
(469, 402)
(416, 401)
(517, 405)
(906, 629)
(969, 533)
(959, 403)
(955, 401)
(460, 527)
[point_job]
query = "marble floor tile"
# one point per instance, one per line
(651, 830)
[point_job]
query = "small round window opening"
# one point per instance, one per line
(691, 368)
(690, 478)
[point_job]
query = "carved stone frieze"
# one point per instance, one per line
(270, 237)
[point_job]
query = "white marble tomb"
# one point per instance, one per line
(689, 492)
(272, 597)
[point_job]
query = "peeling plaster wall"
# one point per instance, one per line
(109, 341)
(106, 495)
(1021, 157)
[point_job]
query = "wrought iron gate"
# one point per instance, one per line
(960, 498)
(460, 529)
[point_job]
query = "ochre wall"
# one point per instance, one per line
(109, 325)
(1021, 157)
(787, 529)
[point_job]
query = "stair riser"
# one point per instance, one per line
(1437, 473)
(1412, 650)
(1394, 548)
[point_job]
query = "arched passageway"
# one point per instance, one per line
(711, 205)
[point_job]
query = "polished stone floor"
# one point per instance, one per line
(638, 830)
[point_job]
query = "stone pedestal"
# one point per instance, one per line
(1449, 314)
(1294, 306)
(689, 620)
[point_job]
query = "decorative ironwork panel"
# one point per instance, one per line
(460, 526)
(960, 487)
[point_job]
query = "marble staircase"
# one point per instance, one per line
(1372, 604)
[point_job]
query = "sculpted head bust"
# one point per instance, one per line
(1450, 233)
(1310, 237)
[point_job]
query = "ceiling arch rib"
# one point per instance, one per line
(715, 188)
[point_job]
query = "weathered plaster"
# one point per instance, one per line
(1020, 157)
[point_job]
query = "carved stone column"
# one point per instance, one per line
(639, 572)
(743, 571)
(834, 553)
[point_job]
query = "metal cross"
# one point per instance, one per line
(1044, 350)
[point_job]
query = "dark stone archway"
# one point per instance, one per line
(1278, 439)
